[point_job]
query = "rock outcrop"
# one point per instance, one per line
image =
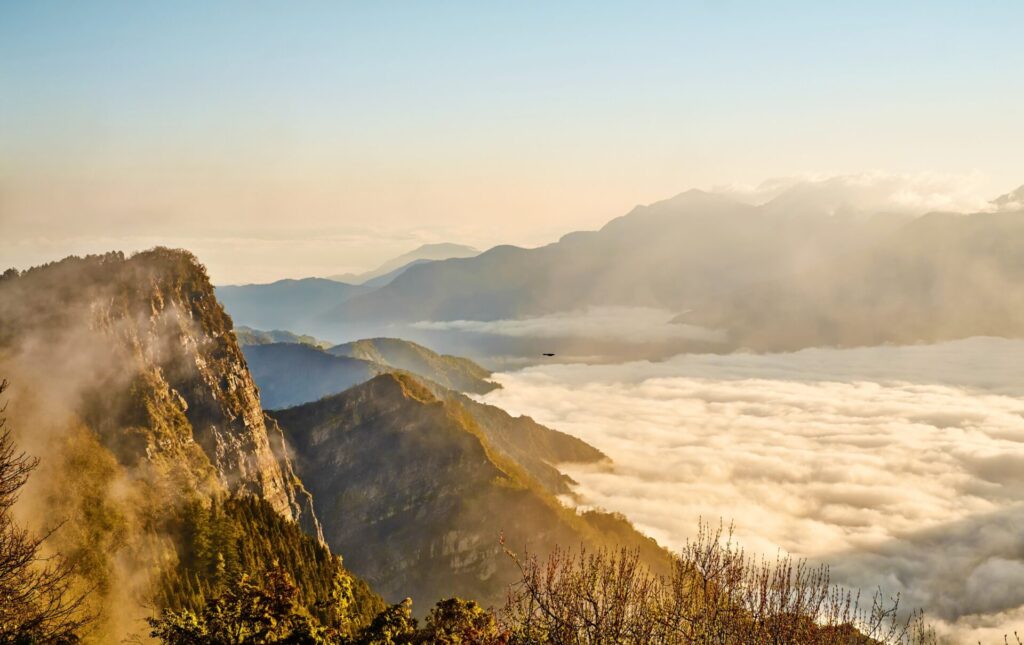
(140, 350)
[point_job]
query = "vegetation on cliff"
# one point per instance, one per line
(415, 489)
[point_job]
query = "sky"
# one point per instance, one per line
(311, 138)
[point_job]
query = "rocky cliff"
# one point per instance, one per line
(140, 351)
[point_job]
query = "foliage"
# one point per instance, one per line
(714, 594)
(459, 622)
(246, 613)
(37, 601)
(233, 538)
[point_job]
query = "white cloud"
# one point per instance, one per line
(634, 324)
(867, 193)
(856, 456)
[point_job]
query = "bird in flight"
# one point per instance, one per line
(546, 354)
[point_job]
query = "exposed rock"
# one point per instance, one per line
(145, 355)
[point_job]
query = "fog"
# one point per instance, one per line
(899, 465)
(622, 324)
(867, 193)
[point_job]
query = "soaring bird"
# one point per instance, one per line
(546, 354)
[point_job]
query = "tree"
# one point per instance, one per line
(393, 626)
(38, 602)
(459, 622)
(715, 595)
(247, 613)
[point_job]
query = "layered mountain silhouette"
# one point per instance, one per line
(292, 373)
(798, 271)
(285, 304)
(692, 248)
(453, 372)
(250, 336)
(938, 277)
(394, 267)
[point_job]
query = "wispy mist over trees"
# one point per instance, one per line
(40, 597)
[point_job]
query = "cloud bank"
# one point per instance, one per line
(867, 193)
(633, 324)
(901, 465)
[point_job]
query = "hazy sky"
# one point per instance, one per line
(286, 139)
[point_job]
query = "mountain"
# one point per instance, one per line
(388, 277)
(787, 274)
(285, 304)
(452, 372)
(290, 374)
(249, 336)
(1012, 201)
(395, 266)
(941, 276)
(416, 489)
(293, 373)
(126, 379)
(665, 255)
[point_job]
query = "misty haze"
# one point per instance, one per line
(461, 324)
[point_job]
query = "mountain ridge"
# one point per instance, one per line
(443, 468)
(389, 269)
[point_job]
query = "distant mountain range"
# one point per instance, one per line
(293, 371)
(453, 372)
(798, 271)
(394, 267)
(285, 304)
(299, 304)
(250, 336)
(692, 248)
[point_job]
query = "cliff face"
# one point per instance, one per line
(141, 351)
(416, 489)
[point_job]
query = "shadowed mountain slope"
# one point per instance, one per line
(417, 491)
(285, 304)
(290, 374)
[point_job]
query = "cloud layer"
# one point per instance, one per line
(867, 193)
(901, 465)
(636, 324)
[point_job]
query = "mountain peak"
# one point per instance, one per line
(406, 385)
(422, 253)
(181, 405)
(1013, 200)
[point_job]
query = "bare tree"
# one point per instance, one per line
(38, 602)
(715, 595)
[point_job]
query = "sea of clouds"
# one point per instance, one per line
(610, 323)
(903, 467)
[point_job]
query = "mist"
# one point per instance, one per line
(900, 465)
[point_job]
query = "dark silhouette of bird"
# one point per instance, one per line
(546, 354)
